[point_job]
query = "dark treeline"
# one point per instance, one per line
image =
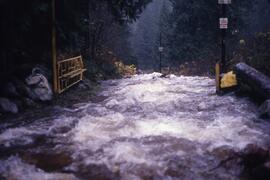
(100, 31)
(192, 35)
(93, 28)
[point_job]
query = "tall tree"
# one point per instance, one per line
(26, 27)
(196, 32)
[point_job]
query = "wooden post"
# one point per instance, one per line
(217, 77)
(54, 58)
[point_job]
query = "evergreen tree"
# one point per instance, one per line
(26, 28)
(195, 27)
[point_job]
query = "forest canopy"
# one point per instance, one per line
(26, 28)
(101, 31)
(192, 39)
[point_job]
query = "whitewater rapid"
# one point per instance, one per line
(146, 127)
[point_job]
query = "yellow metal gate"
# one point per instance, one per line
(69, 72)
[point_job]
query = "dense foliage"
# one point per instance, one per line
(82, 26)
(255, 51)
(192, 38)
(100, 30)
(195, 27)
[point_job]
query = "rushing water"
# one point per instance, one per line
(144, 127)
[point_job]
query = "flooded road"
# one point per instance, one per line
(144, 127)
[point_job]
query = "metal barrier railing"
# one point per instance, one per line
(69, 72)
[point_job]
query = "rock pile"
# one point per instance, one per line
(25, 91)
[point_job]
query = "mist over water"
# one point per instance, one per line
(147, 127)
(145, 35)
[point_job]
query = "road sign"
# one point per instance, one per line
(224, 1)
(223, 23)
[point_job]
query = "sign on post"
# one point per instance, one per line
(223, 23)
(161, 49)
(224, 1)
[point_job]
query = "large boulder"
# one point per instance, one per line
(38, 86)
(257, 82)
(265, 109)
(7, 106)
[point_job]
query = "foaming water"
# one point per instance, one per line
(147, 127)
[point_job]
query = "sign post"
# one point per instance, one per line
(223, 26)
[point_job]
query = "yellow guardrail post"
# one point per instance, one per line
(54, 60)
(217, 69)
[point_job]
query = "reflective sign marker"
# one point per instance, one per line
(224, 1)
(160, 49)
(223, 23)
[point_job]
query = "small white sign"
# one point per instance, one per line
(161, 49)
(224, 1)
(223, 23)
